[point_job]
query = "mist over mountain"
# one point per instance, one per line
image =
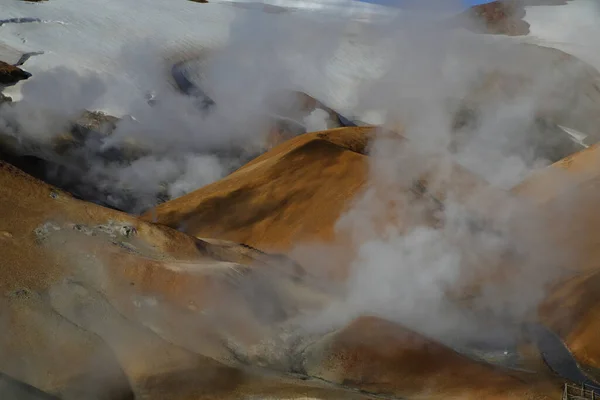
(320, 199)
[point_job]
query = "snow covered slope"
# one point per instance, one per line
(120, 38)
(573, 28)
(88, 36)
(115, 45)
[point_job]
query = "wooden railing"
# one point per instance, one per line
(579, 392)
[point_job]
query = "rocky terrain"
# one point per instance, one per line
(102, 305)
(498, 17)
(11, 75)
(351, 262)
(504, 17)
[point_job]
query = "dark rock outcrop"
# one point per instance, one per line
(498, 17)
(11, 75)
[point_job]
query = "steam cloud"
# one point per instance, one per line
(406, 71)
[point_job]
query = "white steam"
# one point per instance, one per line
(407, 71)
